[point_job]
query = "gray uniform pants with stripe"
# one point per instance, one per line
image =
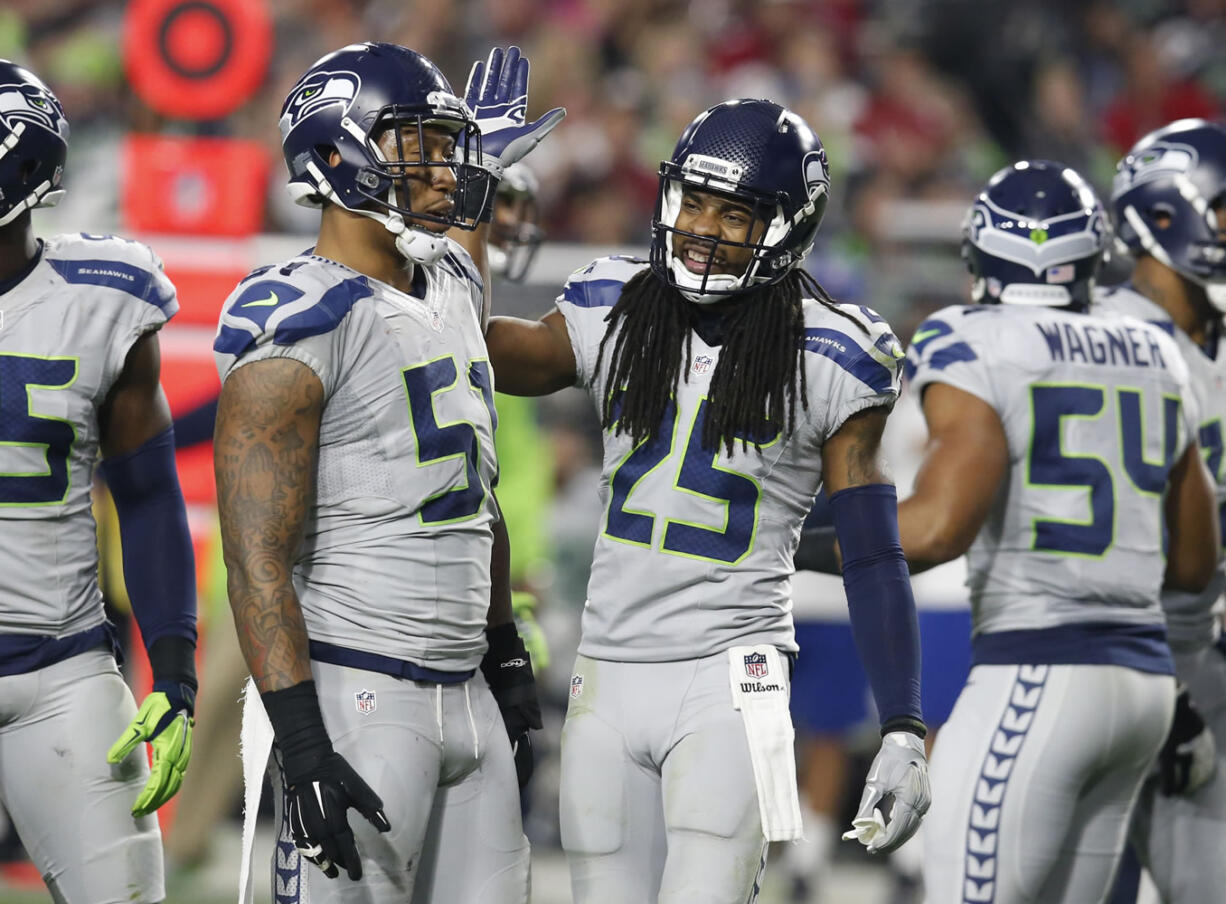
(72, 809)
(1180, 839)
(1034, 777)
(439, 757)
(658, 801)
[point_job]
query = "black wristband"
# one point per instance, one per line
(505, 645)
(298, 725)
(904, 723)
(816, 551)
(172, 659)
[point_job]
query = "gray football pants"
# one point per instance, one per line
(1180, 839)
(1033, 780)
(439, 757)
(72, 809)
(658, 801)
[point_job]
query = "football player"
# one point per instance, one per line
(730, 387)
(355, 460)
(515, 234)
(1169, 205)
(1062, 459)
(79, 375)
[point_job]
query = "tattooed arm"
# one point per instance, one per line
(265, 451)
(852, 456)
(965, 461)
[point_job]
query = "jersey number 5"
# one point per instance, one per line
(1052, 467)
(438, 442)
(34, 447)
(699, 475)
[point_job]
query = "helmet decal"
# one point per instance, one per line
(317, 91)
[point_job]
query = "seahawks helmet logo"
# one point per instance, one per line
(316, 92)
(27, 104)
(1162, 159)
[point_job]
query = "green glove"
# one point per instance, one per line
(523, 607)
(165, 721)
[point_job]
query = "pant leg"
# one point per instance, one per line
(1179, 838)
(1140, 708)
(475, 851)
(1033, 775)
(71, 808)
(611, 814)
(716, 849)
(395, 746)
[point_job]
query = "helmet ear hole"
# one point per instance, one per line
(328, 154)
(27, 170)
(1161, 215)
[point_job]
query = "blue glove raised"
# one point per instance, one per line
(497, 94)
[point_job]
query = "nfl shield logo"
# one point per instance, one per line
(755, 665)
(364, 700)
(576, 686)
(702, 364)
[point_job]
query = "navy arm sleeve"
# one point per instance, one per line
(880, 602)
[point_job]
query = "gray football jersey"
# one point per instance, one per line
(1096, 411)
(395, 559)
(1190, 617)
(65, 332)
(695, 549)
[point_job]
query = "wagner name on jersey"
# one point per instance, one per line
(396, 550)
(1191, 618)
(1096, 411)
(66, 328)
(695, 549)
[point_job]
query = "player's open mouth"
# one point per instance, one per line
(696, 257)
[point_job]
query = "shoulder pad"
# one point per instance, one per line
(111, 262)
(599, 284)
(932, 332)
(285, 305)
(857, 339)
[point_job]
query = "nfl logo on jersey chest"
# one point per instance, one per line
(755, 665)
(364, 700)
(702, 365)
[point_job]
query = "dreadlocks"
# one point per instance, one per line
(757, 379)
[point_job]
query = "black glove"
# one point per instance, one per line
(1189, 756)
(320, 786)
(508, 671)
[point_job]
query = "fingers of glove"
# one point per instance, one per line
(903, 823)
(509, 78)
(349, 858)
(476, 75)
(363, 799)
(530, 136)
(493, 73)
(869, 801)
(172, 751)
(151, 712)
(525, 761)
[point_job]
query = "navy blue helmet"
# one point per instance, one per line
(762, 155)
(346, 102)
(1035, 235)
(33, 143)
(1163, 198)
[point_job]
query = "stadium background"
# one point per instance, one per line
(917, 101)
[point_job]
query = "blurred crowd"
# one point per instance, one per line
(916, 100)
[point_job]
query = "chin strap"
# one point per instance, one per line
(417, 245)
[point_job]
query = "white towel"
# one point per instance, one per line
(255, 741)
(758, 679)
